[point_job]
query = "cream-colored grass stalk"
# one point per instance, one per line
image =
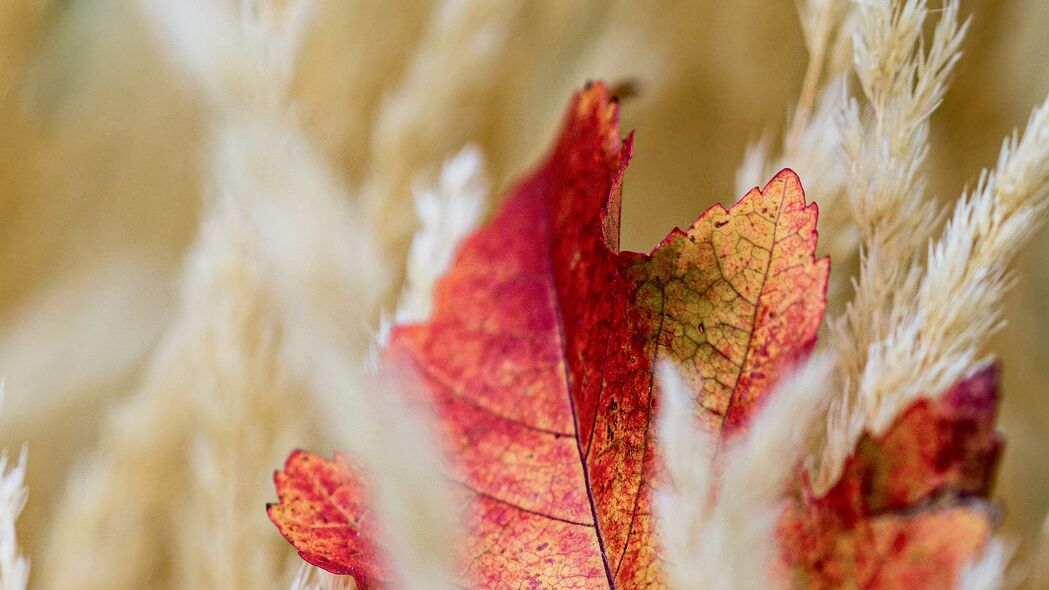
(938, 334)
(445, 100)
(821, 21)
(812, 144)
(326, 274)
(446, 213)
(239, 409)
(14, 567)
(903, 78)
(173, 494)
(326, 280)
(446, 210)
(719, 534)
(988, 571)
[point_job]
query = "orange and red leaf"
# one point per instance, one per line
(322, 511)
(911, 508)
(538, 361)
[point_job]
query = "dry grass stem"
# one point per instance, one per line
(903, 78)
(939, 333)
(719, 534)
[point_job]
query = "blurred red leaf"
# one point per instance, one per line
(911, 508)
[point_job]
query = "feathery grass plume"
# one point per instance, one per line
(988, 571)
(446, 213)
(14, 567)
(813, 133)
(719, 534)
(755, 165)
(903, 78)
(97, 212)
(244, 410)
(307, 226)
(391, 442)
(682, 505)
(821, 22)
(816, 155)
(352, 55)
(447, 210)
(319, 256)
(445, 100)
(939, 333)
(216, 409)
(22, 26)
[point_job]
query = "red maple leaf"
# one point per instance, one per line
(911, 508)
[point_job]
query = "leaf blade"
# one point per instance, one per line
(538, 359)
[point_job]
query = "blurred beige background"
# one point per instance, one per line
(100, 173)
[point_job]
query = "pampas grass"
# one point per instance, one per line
(935, 342)
(903, 81)
(718, 530)
(446, 212)
(243, 346)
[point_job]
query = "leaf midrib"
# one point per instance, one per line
(555, 302)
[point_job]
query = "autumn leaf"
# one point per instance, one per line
(335, 533)
(911, 508)
(538, 361)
